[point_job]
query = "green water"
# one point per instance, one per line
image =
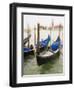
(30, 66)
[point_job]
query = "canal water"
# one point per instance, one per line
(30, 66)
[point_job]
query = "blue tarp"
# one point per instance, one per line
(55, 45)
(27, 49)
(44, 43)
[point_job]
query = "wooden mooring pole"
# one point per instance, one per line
(38, 37)
(28, 33)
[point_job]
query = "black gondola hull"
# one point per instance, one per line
(43, 60)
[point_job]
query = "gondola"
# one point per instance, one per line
(27, 51)
(30, 51)
(51, 53)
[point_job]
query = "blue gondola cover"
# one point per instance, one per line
(44, 43)
(56, 44)
(27, 49)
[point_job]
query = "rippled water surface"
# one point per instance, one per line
(30, 66)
